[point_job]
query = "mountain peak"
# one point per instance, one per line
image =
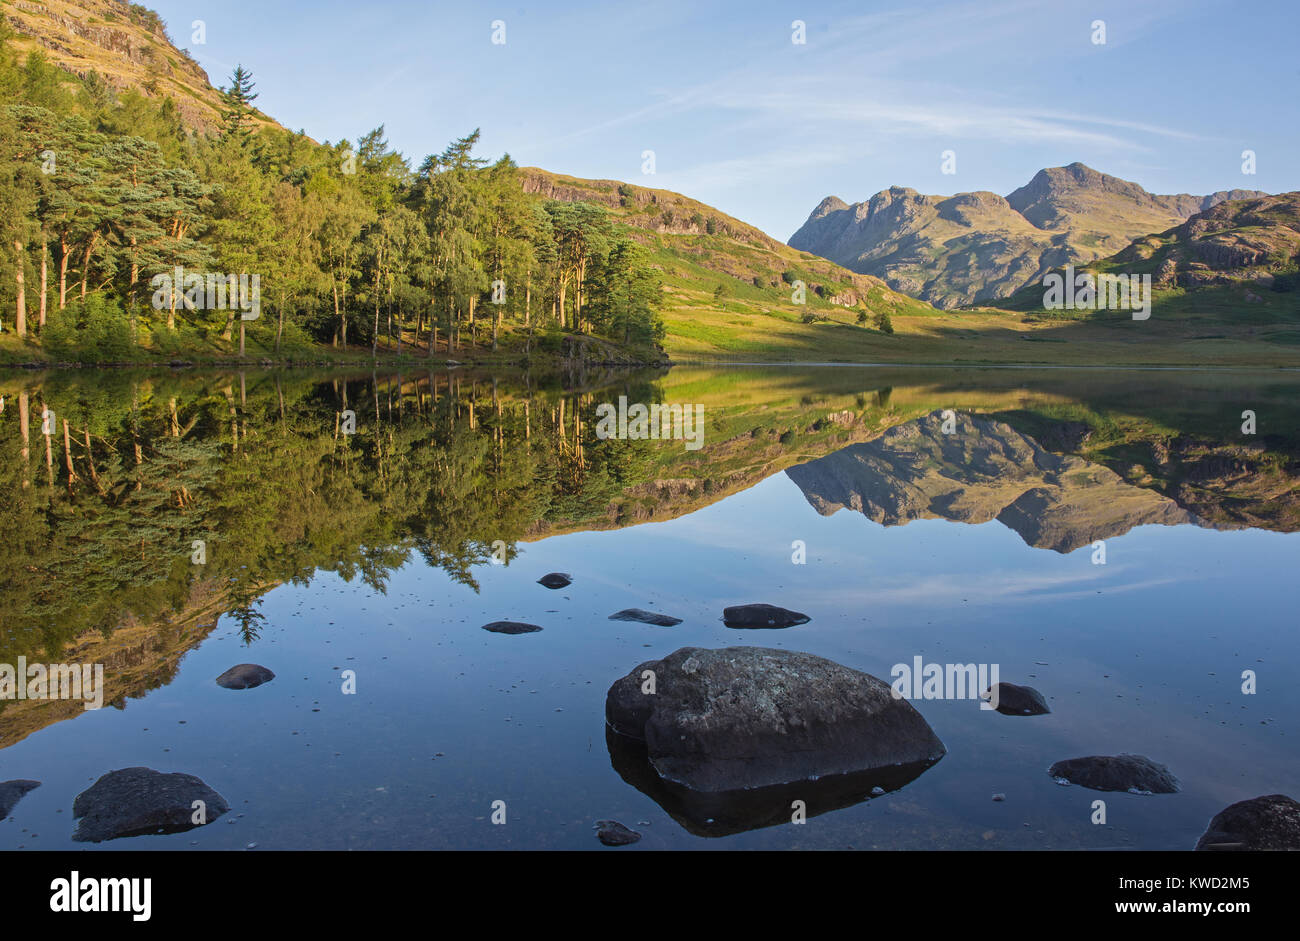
(827, 206)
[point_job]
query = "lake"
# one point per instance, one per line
(1123, 541)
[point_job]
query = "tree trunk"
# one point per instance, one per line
(334, 286)
(85, 262)
(20, 315)
(45, 257)
(24, 417)
(63, 272)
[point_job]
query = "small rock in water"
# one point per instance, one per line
(1016, 700)
(761, 616)
(11, 792)
(999, 797)
(1133, 773)
(877, 791)
(556, 580)
(646, 617)
(511, 627)
(245, 676)
(613, 833)
(1261, 823)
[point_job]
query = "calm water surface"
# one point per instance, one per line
(373, 553)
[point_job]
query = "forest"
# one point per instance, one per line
(104, 194)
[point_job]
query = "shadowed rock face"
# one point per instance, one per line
(1261, 823)
(139, 801)
(983, 471)
(754, 717)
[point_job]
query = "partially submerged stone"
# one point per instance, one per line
(511, 627)
(1136, 774)
(613, 833)
(245, 676)
(751, 717)
(645, 617)
(762, 616)
(1016, 700)
(1261, 823)
(139, 801)
(556, 580)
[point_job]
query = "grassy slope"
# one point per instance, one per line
(128, 48)
(759, 323)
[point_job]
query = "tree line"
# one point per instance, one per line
(103, 195)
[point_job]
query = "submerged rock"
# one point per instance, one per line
(751, 717)
(138, 801)
(1134, 773)
(1016, 700)
(723, 813)
(245, 676)
(511, 627)
(1261, 823)
(11, 792)
(613, 833)
(761, 616)
(646, 617)
(556, 580)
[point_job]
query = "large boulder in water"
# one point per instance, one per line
(752, 717)
(761, 616)
(137, 801)
(1134, 773)
(1261, 823)
(245, 676)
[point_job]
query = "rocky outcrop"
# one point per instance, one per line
(984, 470)
(978, 247)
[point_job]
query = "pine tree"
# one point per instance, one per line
(238, 100)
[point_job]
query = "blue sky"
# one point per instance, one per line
(742, 118)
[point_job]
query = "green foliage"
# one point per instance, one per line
(90, 331)
(348, 243)
(883, 323)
